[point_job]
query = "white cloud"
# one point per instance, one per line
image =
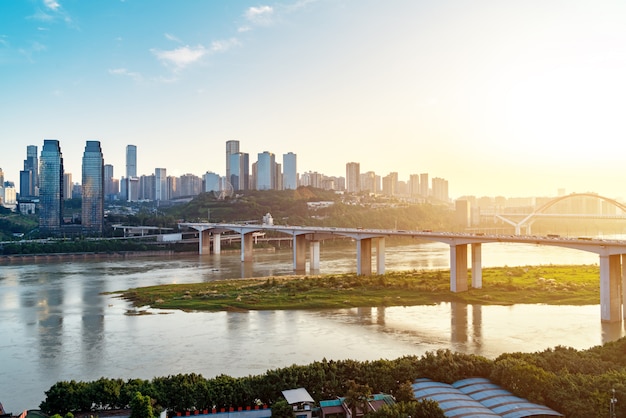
(224, 45)
(37, 47)
(52, 4)
(242, 29)
(173, 38)
(181, 57)
(124, 72)
(262, 15)
(41, 16)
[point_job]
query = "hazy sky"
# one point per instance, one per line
(513, 98)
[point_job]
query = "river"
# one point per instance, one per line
(55, 323)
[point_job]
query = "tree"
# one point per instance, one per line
(425, 408)
(141, 406)
(357, 398)
(281, 409)
(405, 393)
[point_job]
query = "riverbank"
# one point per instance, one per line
(555, 285)
(35, 258)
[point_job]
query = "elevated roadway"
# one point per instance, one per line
(612, 253)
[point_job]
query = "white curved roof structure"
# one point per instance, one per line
(478, 398)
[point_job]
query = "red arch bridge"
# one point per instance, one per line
(612, 253)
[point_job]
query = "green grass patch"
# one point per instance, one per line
(557, 285)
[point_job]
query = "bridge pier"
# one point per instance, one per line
(364, 256)
(380, 255)
(217, 243)
(299, 252)
(314, 256)
(458, 268)
(623, 286)
(610, 283)
(204, 241)
(246, 246)
(477, 267)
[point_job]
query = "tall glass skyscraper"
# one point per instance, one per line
(131, 193)
(160, 184)
(93, 188)
(232, 147)
(131, 161)
(239, 171)
(290, 171)
(29, 177)
(265, 175)
(51, 186)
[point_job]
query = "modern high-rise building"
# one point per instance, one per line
(353, 177)
(440, 189)
(211, 182)
(424, 192)
(111, 185)
(234, 169)
(290, 171)
(190, 185)
(232, 147)
(131, 161)
(29, 177)
(368, 182)
(239, 171)
(414, 185)
(67, 186)
(312, 179)
(131, 173)
(146, 187)
(51, 187)
(266, 171)
(93, 188)
(160, 184)
(390, 184)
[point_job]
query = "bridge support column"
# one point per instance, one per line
(299, 252)
(364, 256)
(217, 243)
(380, 255)
(314, 256)
(610, 278)
(477, 267)
(458, 268)
(623, 286)
(204, 242)
(246, 246)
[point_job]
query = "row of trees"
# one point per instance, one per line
(81, 246)
(575, 383)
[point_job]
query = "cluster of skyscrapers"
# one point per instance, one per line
(44, 183)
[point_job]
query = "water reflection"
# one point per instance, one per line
(458, 322)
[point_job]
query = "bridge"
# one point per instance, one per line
(612, 253)
(543, 211)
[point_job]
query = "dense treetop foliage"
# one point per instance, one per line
(572, 382)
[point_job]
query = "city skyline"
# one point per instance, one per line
(512, 99)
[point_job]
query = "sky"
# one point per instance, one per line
(511, 98)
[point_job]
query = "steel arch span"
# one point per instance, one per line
(543, 208)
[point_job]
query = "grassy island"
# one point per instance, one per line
(557, 285)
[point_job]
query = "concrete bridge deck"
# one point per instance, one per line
(612, 253)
